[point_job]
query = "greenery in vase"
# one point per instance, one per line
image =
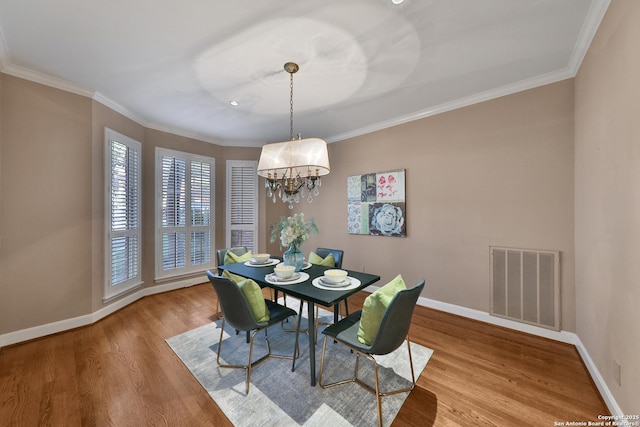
(292, 230)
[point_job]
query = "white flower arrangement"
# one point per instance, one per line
(292, 230)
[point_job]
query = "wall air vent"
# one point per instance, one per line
(525, 286)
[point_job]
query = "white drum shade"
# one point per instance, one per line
(304, 157)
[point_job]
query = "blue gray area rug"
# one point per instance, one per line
(279, 397)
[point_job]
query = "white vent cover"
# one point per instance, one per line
(525, 286)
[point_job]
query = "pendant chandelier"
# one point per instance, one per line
(292, 169)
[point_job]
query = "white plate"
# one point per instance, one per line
(274, 280)
(329, 284)
(306, 265)
(272, 261)
(353, 283)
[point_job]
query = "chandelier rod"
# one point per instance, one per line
(291, 105)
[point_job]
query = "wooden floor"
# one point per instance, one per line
(120, 372)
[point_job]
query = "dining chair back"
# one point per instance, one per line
(220, 254)
(338, 255)
(396, 321)
(237, 313)
(238, 250)
(393, 331)
(233, 304)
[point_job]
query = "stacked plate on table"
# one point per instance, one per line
(331, 284)
(273, 277)
(256, 263)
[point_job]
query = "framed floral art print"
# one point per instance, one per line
(376, 204)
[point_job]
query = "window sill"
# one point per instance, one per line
(122, 292)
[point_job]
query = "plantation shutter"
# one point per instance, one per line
(124, 213)
(123, 220)
(185, 209)
(242, 204)
(174, 201)
(200, 213)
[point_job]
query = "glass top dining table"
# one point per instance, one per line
(305, 291)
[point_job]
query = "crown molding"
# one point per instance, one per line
(181, 132)
(587, 33)
(107, 102)
(5, 60)
(46, 79)
(460, 103)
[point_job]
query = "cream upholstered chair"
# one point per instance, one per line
(237, 313)
(393, 331)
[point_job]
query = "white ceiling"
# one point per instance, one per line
(364, 64)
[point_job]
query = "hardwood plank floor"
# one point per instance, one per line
(120, 372)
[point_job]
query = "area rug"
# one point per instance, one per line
(279, 397)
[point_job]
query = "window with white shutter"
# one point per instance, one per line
(122, 214)
(185, 206)
(242, 204)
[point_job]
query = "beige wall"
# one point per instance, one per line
(496, 173)
(607, 167)
(45, 211)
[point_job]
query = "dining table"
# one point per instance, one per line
(309, 287)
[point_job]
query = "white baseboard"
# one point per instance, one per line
(606, 394)
(483, 316)
(562, 336)
(88, 319)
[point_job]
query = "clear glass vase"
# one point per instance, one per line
(293, 256)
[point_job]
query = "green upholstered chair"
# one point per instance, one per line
(237, 313)
(392, 333)
(220, 254)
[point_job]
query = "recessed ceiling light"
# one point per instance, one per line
(397, 1)
(234, 103)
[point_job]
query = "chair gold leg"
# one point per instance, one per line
(357, 380)
(220, 341)
(320, 378)
(249, 364)
(378, 395)
(248, 367)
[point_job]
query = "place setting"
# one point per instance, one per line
(336, 280)
(262, 260)
(285, 275)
